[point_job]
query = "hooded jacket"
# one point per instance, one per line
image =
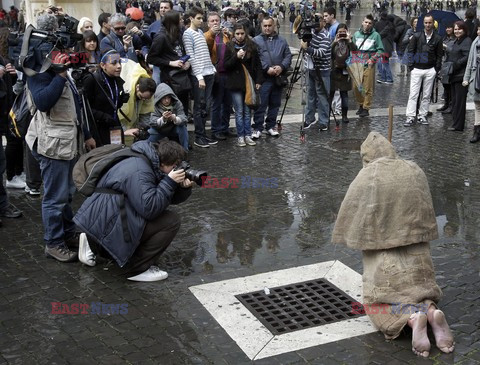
(138, 111)
(388, 204)
(176, 107)
(371, 47)
(148, 192)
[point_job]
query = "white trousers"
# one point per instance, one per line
(417, 76)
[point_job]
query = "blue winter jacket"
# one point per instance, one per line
(148, 192)
(273, 50)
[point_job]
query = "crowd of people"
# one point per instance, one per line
(192, 63)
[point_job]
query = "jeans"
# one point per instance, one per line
(318, 91)
(202, 99)
(156, 74)
(221, 105)
(385, 70)
(58, 186)
(3, 166)
(242, 114)
(179, 130)
(271, 98)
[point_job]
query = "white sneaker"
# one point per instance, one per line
(32, 191)
(241, 142)
(85, 254)
(250, 141)
(16, 183)
(273, 132)
(152, 274)
(256, 134)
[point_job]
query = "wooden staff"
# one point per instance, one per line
(390, 122)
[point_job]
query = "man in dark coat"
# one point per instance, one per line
(148, 188)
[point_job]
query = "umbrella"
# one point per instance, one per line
(355, 70)
(134, 13)
(442, 17)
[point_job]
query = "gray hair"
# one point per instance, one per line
(47, 22)
(117, 18)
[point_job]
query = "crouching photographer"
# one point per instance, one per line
(55, 137)
(136, 234)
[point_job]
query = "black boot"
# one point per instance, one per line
(476, 134)
(344, 115)
(444, 107)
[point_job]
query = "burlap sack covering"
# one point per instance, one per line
(388, 214)
(388, 204)
(402, 276)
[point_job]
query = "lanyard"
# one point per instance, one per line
(114, 97)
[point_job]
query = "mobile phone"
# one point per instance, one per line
(342, 36)
(185, 58)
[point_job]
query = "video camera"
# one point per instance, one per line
(305, 22)
(34, 55)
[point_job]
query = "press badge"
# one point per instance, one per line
(116, 136)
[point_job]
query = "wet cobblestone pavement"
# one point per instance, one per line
(230, 233)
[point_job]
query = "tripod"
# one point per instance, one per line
(299, 73)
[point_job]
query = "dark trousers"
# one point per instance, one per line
(32, 170)
(447, 94)
(156, 237)
(14, 156)
(459, 105)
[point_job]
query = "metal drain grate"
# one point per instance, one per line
(298, 306)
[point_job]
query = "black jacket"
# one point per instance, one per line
(235, 73)
(6, 97)
(423, 55)
(386, 29)
(100, 101)
(459, 56)
(163, 51)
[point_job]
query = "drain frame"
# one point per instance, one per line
(298, 306)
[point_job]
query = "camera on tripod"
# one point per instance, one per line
(305, 22)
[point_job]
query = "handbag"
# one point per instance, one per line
(476, 82)
(446, 71)
(179, 81)
(252, 96)
(281, 80)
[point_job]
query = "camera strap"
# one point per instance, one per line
(24, 52)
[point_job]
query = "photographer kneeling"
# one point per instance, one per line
(148, 189)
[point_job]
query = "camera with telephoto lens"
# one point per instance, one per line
(191, 174)
(308, 22)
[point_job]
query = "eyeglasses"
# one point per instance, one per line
(119, 28)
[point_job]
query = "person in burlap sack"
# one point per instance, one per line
(388, 214)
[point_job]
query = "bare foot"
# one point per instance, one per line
(441, 331)
(420, 342)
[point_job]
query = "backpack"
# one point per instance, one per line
(90, 168)
(21, 113)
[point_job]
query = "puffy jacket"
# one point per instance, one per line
(148, 192)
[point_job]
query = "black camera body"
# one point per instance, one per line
(192, 174)
(41, 44)
(309, 22)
